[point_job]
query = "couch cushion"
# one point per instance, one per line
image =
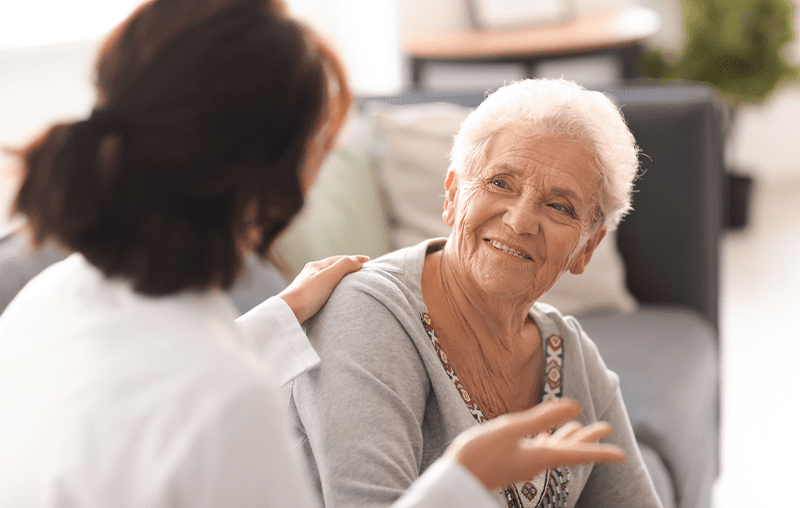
(666, 359)
(415, 146)
(344, 212)
(414, 157)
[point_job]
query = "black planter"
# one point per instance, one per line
(737, 195)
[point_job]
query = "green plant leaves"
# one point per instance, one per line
(736, 46)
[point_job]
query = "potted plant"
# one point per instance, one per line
(738, 48)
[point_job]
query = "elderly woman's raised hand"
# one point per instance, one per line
(501, 452)
(309, 291)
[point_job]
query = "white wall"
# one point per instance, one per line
(765, 142)
(43, 84)
(365, 33)
(39, 86)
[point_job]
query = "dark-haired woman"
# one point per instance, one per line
(125, 377)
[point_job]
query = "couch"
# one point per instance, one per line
(650, 302)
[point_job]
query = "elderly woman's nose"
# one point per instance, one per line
(521, 218)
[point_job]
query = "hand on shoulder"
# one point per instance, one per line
(309, 291)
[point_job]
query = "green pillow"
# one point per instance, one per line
(344, 211)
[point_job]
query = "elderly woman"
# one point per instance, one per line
(428, 341)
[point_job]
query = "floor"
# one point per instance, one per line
(760, 350)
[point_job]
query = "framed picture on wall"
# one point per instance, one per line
(495, 14)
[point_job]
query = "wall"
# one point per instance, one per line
(764, 141)
(39, 86)
(365, 34)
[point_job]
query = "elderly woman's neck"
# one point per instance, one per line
(461, 304)
(495, 349)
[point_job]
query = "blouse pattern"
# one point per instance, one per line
(550, 489)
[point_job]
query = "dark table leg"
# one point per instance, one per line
(416, 72)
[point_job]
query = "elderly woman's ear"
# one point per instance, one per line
(584, 254)
(450, 186)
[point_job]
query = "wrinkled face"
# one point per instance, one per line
(524, 218)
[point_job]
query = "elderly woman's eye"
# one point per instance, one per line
(561, 208)
(499, 183)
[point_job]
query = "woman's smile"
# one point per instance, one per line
(507, 250)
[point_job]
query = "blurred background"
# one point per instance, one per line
(746, 49)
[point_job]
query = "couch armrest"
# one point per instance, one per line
(668, 367)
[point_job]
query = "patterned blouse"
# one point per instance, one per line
(550, 489)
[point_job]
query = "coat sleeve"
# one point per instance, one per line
(446, 483)
(278, 339)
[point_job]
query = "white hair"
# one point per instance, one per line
(560, 108)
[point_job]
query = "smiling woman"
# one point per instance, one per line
(428, 341)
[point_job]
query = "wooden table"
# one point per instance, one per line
(620, 35)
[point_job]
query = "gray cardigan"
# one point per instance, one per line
(381, 407)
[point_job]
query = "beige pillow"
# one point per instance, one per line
(415, 147)
(344, 212)
(415, 143)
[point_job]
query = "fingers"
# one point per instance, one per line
(576, 432)
(324, 263)
(544, 416)
(567, 430)
(351, 261)
(342, 266)
(313, 285)
(499, 453)
(592, 432)
(583, 453)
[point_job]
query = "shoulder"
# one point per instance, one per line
(383, 295)
(371, 325)
(552, 321)
(371, 316)
(34, 291)
(398, 272)
(586, 377)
